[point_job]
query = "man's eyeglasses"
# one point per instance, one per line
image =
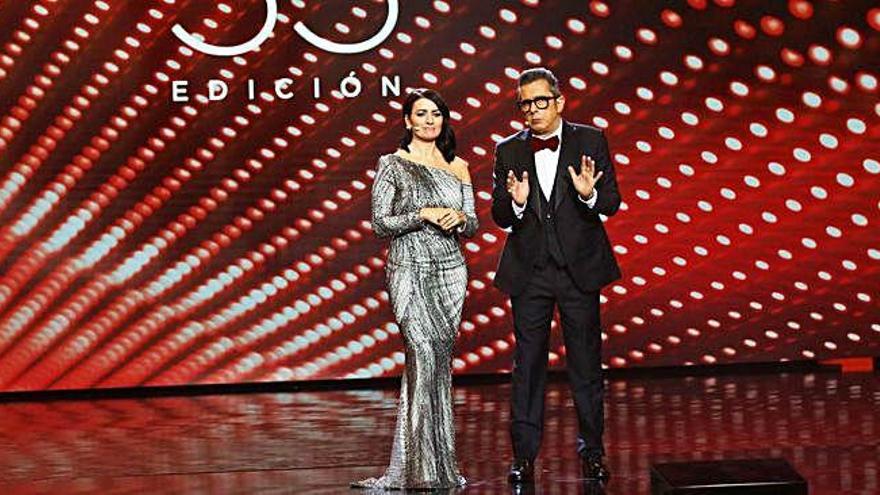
(541, 102)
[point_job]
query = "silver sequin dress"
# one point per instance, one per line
(427, 279)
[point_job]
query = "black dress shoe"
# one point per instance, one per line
(521, 471)
(594, 469)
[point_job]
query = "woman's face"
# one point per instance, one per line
(425, 120)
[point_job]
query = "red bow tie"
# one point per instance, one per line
(541, 144)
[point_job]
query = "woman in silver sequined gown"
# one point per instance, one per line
(425, 209)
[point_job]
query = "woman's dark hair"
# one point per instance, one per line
(446, 139)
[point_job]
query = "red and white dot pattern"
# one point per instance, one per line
(159, 243)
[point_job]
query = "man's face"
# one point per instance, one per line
(535, 94)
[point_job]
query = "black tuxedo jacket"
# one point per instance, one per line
(582, 236)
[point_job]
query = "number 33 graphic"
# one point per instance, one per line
(300, 28)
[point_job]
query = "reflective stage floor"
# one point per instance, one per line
(826, 425)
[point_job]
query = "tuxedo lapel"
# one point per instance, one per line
(568, 155)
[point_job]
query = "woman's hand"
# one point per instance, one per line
(445, 218)
(451, 219)
(432, 215)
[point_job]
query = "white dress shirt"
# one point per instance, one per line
(546, 162)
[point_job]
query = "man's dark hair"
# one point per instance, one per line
(537, 73)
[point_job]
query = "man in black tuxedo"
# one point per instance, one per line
(551, 182)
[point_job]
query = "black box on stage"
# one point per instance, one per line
(744, 476)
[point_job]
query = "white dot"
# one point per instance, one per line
(849, 37)
(856, 126)
(577, 83)
(809, 243)
(868, 82)
(802, 155)
(859, 219)
(688, 170)
(693, 62)
(752, 181)
(758, 130)
(828, 140)
(793, 205)
(766, 73)
(733, 143)
(668, 78)
(833, 231)
(746, 229)
(704, 205)
(818, 192)
(739, 88)
(720, 46)
(709, 157)
(838, 84)
(689, 118)
(533, 58)
(553, 42)
(845, 180)
(812, 99)
(577, 25)
(768, 217)
(871, 166)
(507, 15)
(714, 104)
(820, 54)
(776, 168)
(785, 115)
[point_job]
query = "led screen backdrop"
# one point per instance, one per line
(151, 235)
